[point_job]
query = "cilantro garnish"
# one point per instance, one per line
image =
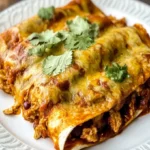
(53, 65)
(94, 30)
(78, 42)
(43, 42)
(40, 50)
(78, 25)
(116, 72)
(45, 37)
(81, 25)
(80, 35)
(63, 35)
(46, 13)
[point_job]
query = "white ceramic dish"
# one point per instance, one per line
(17, 134)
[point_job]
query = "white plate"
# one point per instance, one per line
(17, 134)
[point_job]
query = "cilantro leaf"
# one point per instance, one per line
(40, 50)
(46, 13)
(78, 25)
(43, 42)
(116, 72)
(80, 42)
(50, 37)
(94, 30)
(47, 36)
(33, 36)
(81, 34)
(53, 65)
(62, 35)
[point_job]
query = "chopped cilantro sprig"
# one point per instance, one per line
(116, 72)
(82, 34)
(53, 65)
(79, 36)
(43, 42)
(46, 13)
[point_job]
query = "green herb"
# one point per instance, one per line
(78, 42)
(78, 25)
(43, 42)
(33, 38)
(53, 65)
(82, 34)
(116, 72)
(40, 50)
(46, 13)
(81, 26)
(63, 35)
(94, 30)
(45, 37)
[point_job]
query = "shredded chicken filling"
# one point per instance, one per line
(113, 122)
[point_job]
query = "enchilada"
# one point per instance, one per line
(84, 91)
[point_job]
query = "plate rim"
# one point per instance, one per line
(143, 15)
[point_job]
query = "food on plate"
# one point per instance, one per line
(78, 75)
